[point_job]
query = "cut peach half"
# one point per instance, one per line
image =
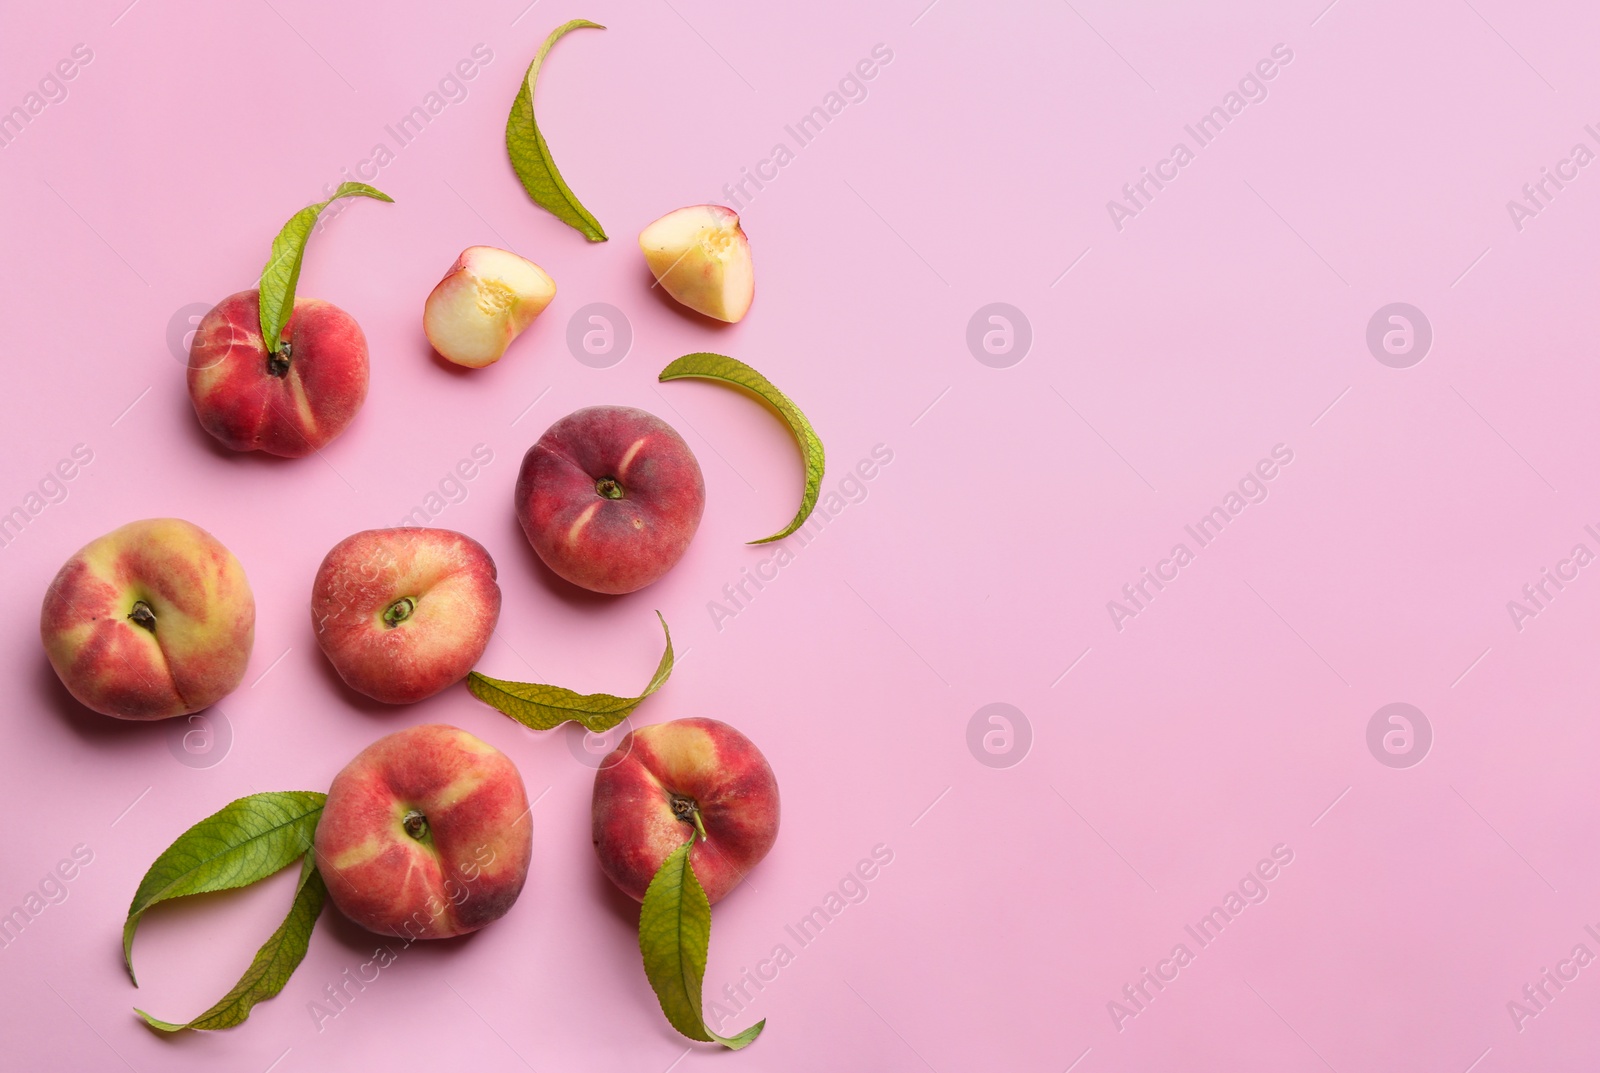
(484, 302)
(701, 257)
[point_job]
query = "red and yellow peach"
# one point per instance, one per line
(425, 834)
(663, 784)
(152, 620)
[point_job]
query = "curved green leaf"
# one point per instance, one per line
(277, 959)
(282, 274)
(543, 707)
(733, 371)
(674, 934)
(244, 841)
(530, 153)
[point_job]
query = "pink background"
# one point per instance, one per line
(1167, 757)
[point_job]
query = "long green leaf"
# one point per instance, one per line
(733, 371)
(277, 959)
(530, 153)
(543, 707)
(282, 274)
(674, 935)
(244, 841)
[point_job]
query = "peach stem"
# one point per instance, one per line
(415, 823)
(143, 616)
(278, 360)
(398, 611)
(687, 809)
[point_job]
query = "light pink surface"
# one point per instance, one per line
(1167, 757)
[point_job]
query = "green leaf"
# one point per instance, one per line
(244, 841)
(282, 274)
(674, 934)
(544, 707)
(530, 153)
(734, 371)
(278, 957)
